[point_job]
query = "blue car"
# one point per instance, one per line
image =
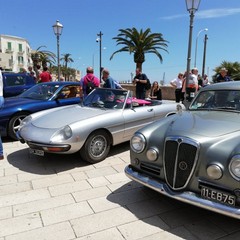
(40, 97)
(16, 83)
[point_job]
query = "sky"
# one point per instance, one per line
(82, 20)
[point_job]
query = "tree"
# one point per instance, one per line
(232, 67)
(140, 43)
(66, 59)
(42, 57)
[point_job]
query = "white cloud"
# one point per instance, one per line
(217, 13)
(212, 13)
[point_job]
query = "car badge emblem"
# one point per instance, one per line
(182, 165)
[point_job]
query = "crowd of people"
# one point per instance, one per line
(195, 82)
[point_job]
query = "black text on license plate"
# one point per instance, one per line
(36, 152)
(218, 196)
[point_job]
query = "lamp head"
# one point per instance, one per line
(57, 28)
(192, 5)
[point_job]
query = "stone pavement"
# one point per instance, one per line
(64, 198)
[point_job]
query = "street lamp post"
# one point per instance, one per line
(57, 28)
(192, 7)
(204, 54)
(99, 39)
(195, 61)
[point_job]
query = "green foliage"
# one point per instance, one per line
(66, 59)
(232, 67)
(139, 43)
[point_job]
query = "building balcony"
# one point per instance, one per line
(21, 53)
(9, 51)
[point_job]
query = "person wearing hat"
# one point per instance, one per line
(223, 77)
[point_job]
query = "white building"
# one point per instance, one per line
(15, 53)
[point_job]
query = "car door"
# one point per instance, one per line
(136, 118)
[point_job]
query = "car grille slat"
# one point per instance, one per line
(151, 169)
(180, 156)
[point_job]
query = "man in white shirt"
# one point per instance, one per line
(192, 86)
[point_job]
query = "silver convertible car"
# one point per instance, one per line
(194, 156)
(106, 117)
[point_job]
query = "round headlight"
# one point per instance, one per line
(137, 143)
(67, 132)
(62, 135)
(214, 171)
(234, 167)
(152, 154)
(25, 121)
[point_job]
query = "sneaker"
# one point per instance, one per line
(1, 157)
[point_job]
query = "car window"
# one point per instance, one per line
(217, 100)
(15, 80)
(69, 92)
(106, 98)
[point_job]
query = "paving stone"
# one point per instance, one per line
(23, 197)
(112, 234)
(101, 221)
(60, 231)
(65, 213)
(6, 212)
(115, 200)
(142, 228)
(52, 181)
(39, 205)
(8, 180)
(69, 188)
(20, 224)
(98, 182)
(91, 193)
(100, 172)
(15, 188)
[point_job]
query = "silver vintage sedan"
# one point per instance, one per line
(194, 156)
(106, 117)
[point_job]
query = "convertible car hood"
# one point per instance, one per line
(59, 117)
(205, 123)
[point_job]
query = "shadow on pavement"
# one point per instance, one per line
(53, 163)
(178, 218)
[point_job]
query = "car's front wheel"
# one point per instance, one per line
(14, 124)
(96, 147)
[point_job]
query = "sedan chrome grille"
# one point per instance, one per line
(180, 156)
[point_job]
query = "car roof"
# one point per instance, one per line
(61, 83)
(232, 85)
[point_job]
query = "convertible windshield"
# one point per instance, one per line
(106, 98)
(217, 100)
(40, 92)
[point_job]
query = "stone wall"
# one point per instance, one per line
(168, 92)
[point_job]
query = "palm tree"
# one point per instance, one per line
(66, 59)
(42, 57)
(140, 43)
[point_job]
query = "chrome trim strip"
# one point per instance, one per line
(187, 197)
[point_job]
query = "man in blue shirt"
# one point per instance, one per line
(109, 82)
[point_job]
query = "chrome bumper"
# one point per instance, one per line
(187, 197)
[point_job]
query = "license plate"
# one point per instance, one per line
(218, 196)
(36, 152)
